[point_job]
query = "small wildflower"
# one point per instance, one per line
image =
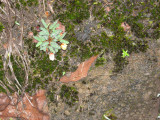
(51, 56)
(64, 46)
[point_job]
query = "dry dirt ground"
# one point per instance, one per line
(130, 94)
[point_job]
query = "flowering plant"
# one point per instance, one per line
(49, 37)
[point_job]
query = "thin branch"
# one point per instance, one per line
(24, 63)
(4, 11)
(4, 87)
(22, 28)
(11, 68)
(44, 6)
(29, 100)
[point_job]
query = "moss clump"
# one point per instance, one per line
(98, 11)
(100, 61)
(1, 75)
(120, 62)
(76, 11)
(117, 42)
(1, 69)
(51, 94)
(1, 27)
(69, 95)
(138, 28)
(18, 69)
(110, 115)
(25, 3)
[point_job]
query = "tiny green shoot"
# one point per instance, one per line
(17, 23)
(64, 73)
(125, 53)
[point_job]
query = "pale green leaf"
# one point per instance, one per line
(37, 38)
(17, 23)
(51, 26)
(44, 31)
(55, 45)
(55, 33)
(43, 38)
(46, 37)
(43, 48)
(44, 23)
(51, 49)
(55, 40)
(62, 36)
(45, 43)
(38, 44)
(64, 41)
(56, 50)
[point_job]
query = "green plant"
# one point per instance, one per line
(108, 115)
(1, 27)
(69, 95)
(125, 53)
(50, 37)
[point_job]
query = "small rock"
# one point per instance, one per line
(66, 112)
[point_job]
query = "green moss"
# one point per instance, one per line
(84, 52)
(73, 68)
(1, 68)
(35, 83)
(51, 94)
(1, 75)
(69, 95)
(73, 50)
(1, 27)
(119, 41)
(18, 69)
(138, 29)
(155, 11)
(110, 115)
(98, 11)
(120, 62)
(76, 11)
(100, 61)
(25, 3)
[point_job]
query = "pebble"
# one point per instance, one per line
(66, 112)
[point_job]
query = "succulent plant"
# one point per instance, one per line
(49, 37)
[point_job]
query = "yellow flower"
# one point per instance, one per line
(64, 46)
(51, 56)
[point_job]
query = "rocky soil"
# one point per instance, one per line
(131, 94)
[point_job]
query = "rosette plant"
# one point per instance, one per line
(49, 37)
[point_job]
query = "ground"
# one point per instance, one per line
(130, 94)
(120, 88)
